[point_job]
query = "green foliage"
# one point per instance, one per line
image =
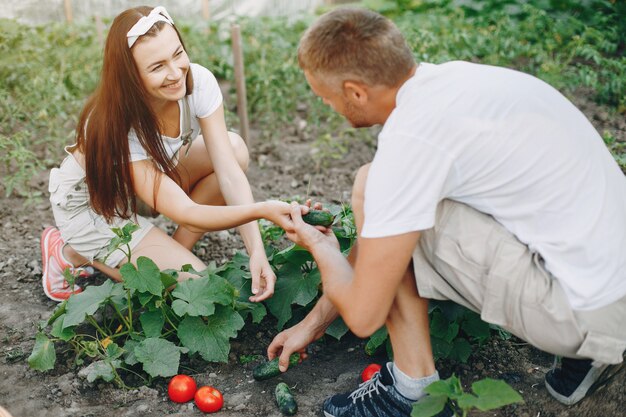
(488, 394)
(453, 332)
(618, 149)
(46, 72)
(569, 44)
(143, 322)
(138, 322)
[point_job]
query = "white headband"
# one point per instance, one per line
(158, 14)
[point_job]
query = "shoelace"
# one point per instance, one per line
(367, 387)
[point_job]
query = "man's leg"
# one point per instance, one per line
(473, 260)
(392, 391)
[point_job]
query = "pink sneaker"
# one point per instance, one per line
(54, 264)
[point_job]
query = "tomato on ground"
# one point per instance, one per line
(209, 399)
(369, 371)
(181, 388)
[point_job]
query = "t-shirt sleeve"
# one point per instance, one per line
(137, 152)
(406, 181)
(207, 96)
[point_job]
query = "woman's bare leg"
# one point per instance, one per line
(197, 174)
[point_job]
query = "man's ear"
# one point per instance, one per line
(356, 92)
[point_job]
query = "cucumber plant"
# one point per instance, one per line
(488, 394)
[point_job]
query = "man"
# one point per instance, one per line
(488, 188)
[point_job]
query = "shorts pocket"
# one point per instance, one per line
(602, 348)
(69, 194)
(505, 290)
(54, 183)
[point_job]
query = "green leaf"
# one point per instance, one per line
(467, 401)
(43, 356)
(461, 350)
(441, 348)
(129, 228)
(292, 286)
(100, 369)
(113, 351)
(59, 331)
(152, 322)
(376, 340)
(159, 357)
(197, 297)
(257, 310)
(441, 388)
(144, 298)
(169, 278)
(474, 327)
(58, 311)
(493, 393)
(129, 351)
(429, 406)
(88, 301)
(337, 328)
(441, 327)
(146, 277)
(211, 340)
(294, 254)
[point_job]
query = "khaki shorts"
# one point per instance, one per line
(84, 230)
(471, 259)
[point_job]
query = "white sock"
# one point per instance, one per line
(412, 388)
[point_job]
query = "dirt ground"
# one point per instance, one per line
(279, 169)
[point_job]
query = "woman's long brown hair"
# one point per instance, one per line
(119, 104)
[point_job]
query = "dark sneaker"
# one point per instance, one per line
(577, 378)
(376, 397)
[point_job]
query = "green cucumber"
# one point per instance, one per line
(284, 398)
(318, 218)
(270, 369)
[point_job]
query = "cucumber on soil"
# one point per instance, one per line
(270, 369)
(284, 398)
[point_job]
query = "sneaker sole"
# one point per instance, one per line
(588, 386)
(44, 257)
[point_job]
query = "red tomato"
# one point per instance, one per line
(369, 371)
(181, 388)
(209, 399)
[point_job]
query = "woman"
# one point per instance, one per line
(153, 131)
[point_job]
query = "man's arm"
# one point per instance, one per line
(363, 295)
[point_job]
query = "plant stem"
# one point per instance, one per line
(95, 324)
(121, 316)
(130, 309)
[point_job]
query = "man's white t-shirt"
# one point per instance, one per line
(511, 146)
(204, 99)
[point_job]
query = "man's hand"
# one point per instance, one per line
(294, 339)
(307, 236)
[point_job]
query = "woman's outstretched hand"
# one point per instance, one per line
(263, 277)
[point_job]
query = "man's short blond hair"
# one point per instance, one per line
(356, 44)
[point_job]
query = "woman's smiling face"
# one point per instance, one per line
(163, 65)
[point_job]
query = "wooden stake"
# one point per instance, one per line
(100, 30)
(68, 11)
(205, 10)
(240, 83)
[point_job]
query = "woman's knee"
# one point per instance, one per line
(240, 149)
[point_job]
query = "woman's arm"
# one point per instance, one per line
(232, 180)
(174, 203)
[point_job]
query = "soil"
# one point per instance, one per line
(278, 169)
